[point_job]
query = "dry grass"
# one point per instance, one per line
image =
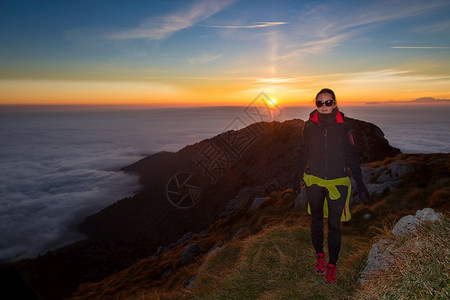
(277, 263)
(419, 269)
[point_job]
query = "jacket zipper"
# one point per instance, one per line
(326, 154)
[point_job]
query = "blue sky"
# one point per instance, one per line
(157, 52)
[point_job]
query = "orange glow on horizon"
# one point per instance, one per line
(53, 92)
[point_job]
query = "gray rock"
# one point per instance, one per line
(216, 248)
(367, 216)
(409, 223)
(189, 284)
(378, 258)
(227, 212)
(384, 175)
(382, 178)
(162, 250)
(243, 199)
(257, 202)
(167, 270)
(190, 253)
(399, 171)
(379, 188)
(238, 234)
(301, 199)
(174, 244)
(428, 214)
(381, 252)
(404, 225)
(187, 236)
(286, 196)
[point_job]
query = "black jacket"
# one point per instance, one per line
(328, 148)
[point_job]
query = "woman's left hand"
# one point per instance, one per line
(363, 193)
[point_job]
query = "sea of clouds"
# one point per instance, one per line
(59, 166)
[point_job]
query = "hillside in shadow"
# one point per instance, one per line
(185, 193)
(266, 252)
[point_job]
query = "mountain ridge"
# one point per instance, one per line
(424, 100)
(259, 156)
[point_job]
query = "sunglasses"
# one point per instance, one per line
(327, 103)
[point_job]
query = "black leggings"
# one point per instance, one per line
(316, 196)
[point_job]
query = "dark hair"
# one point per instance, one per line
(326, 91)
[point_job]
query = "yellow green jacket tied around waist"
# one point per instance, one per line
(333, 192)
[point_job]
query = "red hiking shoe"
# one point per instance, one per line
(320, 265)
(330, 276)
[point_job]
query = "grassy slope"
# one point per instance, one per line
(419, 269)
(277, 264)
(274, 258)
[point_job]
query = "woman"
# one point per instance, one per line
(327, 150)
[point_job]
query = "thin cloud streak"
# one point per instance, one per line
(387, 78)
(418, 47)
(398, 10)
(387, 75)
(204, 59)
(276, 80)
(224, 41)
(322, 29)
(257, 25)
(382, 77)
(443, 26)
(160, 28)
(315, 46)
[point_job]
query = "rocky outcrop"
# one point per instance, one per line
(381, 253)
(385, 178)
(371, 142)
(409, 223)
(190, 253)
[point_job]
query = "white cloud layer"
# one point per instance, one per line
(54, 173)
(59, 167)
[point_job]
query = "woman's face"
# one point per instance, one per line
(325, 109)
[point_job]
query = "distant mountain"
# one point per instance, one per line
(183, 192)
(431, 100)
(424, 100)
